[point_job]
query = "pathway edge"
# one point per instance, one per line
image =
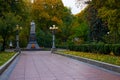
(104, 65)
(5, 65)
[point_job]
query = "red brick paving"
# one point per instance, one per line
(42, 65)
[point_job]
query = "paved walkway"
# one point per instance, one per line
(42, 65)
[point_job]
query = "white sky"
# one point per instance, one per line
(72, 4)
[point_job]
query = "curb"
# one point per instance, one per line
(104, 65)
(4, 66)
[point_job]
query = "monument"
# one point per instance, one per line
(32, 39)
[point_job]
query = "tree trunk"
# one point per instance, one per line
(3, 45)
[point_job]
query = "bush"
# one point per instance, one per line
(97, 48)
(62, 46)
(106, 49)
(116, 49)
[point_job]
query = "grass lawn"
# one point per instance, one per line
(99, 57)
(5, 56)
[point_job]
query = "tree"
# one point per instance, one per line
(110, 12)
(66, 28)
(47, 12)
(97, 26)
(20, 8)
(8, 24)
(44, 39)
(82, 30)
(52, 12)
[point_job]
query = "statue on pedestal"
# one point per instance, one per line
(32, 30)
(32, 40)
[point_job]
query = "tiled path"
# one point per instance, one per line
(42, 65)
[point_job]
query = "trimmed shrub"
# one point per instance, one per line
(61, 46)
(116, 49)
(106, 49)
(97, 48)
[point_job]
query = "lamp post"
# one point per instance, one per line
(53, 29)
(18, 28)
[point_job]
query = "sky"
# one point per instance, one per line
(72, 5)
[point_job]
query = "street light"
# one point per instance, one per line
(53, 29)
(18, 28)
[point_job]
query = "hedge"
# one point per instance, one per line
(96, 48)
(116, 49)
(62, 46)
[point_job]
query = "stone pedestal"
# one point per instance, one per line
(32, 40)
